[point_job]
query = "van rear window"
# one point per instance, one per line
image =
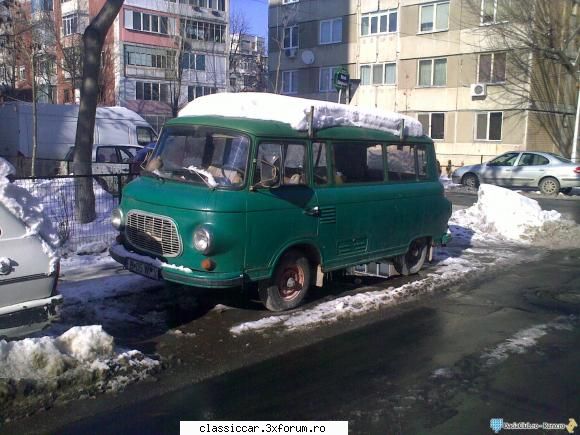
(358, 162)
(407, 162)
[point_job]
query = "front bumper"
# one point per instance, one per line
(28, 317)
(178, 274)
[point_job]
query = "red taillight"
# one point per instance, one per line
(577, 170)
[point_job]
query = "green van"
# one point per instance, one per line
(225, 201)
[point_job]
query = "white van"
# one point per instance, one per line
(56, 131)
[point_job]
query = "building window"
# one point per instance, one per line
(146, 22)
(491, 68)
(434, 17)
(290, 82)
(152, 91)
(291, 37)
(193, 61)
(331, 31)
(378, 74)
(326, 82)
(379, 22)
(489, 126)
(203, 31)
(433, 124)
(286, 2)
(70, 24)
(432, 72)
(194, 92)
(493, 11)
(150, 57)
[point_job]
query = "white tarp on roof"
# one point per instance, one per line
(295, 111)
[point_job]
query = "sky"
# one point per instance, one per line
(256, 12)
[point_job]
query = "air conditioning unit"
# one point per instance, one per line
(478, 90)
(291, 52)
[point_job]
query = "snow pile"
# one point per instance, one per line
(296, 112)
(79, 363)
(503, 214)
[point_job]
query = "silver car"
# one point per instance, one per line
(29, 299)
(549, 172)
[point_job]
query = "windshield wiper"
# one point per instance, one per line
(205, 176)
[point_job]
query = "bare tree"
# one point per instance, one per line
(93, 41)
(541, 41)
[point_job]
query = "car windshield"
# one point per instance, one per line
(562, 159)
(199, 154)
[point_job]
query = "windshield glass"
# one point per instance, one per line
(199, 154)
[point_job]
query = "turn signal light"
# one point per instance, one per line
(208, 264)
(577, 170)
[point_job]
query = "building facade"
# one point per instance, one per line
(248, 63)
(432, 60)
(157, 56)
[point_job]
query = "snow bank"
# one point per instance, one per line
(503, 214)
(295, 111)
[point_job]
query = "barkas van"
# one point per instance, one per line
(278, 191)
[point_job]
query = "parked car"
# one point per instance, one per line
(29, 266)
(549, 172)
(107, 160)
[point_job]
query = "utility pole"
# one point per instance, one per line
(575, 140)
(34, 117)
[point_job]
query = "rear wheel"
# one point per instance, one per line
(549, 186)
(412, 261)
(289, 284)
(470, 180)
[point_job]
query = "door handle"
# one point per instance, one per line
(314, 211)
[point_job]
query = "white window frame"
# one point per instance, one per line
(332, 70)
(487, 139)
(491, 69)
(494, 19)
(332, 22)
(130, 22)
(435, 8)
(386, 13)
(429, 133)
(67, 21)
(293, 82)
(431, 85)
(384, 74)
(287, 2)
(291, 29)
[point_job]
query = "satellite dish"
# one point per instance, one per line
(307, 57)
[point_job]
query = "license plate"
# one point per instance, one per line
(142, 268)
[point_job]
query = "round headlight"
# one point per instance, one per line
(202, 239)
(117, 219)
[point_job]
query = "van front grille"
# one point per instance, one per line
(152, 233)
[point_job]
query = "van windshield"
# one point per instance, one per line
(199, 154)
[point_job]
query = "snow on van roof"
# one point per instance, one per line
(295, 111)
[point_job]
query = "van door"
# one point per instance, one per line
(281, 206)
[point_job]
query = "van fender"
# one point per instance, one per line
(310, 250)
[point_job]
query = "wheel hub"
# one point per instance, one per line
(291, 282)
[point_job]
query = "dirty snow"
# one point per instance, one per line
(481, 237)
(295, 111)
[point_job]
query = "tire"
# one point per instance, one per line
(289, 283)
(470, 180)
(549, 186)
(412, 261)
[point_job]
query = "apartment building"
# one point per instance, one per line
(157, 56)
(432, 60)
(248, 63)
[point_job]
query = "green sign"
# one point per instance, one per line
(341, 79)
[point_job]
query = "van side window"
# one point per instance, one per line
(145, 136)
(289, 159)
(319, 163)
(358, 163)
(401, 162)
(422, 162)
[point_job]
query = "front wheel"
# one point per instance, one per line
(289, 284)
(549, 186)
(412, 261)
(470, 180)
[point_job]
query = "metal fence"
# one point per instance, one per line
(56, 194)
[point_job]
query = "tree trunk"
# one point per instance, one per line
(93, 40)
